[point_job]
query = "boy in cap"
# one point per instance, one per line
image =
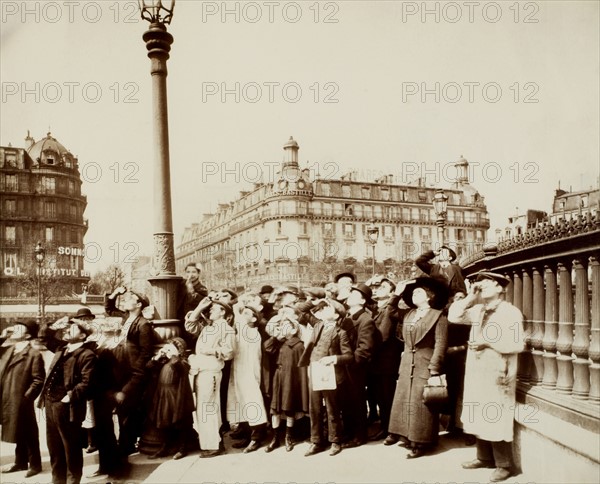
(21, 377)
(495, 341)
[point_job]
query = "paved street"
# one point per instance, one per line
(374, 463)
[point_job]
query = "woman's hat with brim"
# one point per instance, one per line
(438, 287)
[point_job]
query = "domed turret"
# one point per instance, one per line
(49, 151)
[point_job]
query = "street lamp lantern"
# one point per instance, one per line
(40, 255)
(373, 234)
(157, 11)
(440, 206)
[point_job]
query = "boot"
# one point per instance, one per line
(274, 441)
(289, 441)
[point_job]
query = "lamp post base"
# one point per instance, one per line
(164, 299)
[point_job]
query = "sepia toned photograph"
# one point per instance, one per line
(307, 241)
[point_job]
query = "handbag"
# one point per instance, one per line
(435, 391)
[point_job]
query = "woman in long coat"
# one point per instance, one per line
(425, 333)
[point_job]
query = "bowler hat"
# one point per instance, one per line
(345, 274)
(32, 327)
(499, 278)
(436, 286)
(266, 289)
(84, 313)
(364, 290)
(450, 252)
(225, 306)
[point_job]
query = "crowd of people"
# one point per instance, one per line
(271, 368)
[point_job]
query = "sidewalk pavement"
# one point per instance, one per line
(371, 463)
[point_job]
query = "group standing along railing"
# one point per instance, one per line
(555, 282)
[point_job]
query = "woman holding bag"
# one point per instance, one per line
(424, 331)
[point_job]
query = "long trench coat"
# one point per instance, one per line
(491, 373)
(425, 344)
(244, 398)
(22, 378)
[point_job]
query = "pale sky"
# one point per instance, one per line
(80, 69)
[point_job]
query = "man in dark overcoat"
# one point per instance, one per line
(22, 377)
(135, 349)
(445, 269)
(64, 396)
(364, 338)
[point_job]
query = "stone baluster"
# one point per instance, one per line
(537, 334)
(594, 351)
(518, 290)
(581, 341)
(564, 382)
(550, 329)
(525, 361)
(509, 290)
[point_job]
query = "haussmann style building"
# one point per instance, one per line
(300, 228)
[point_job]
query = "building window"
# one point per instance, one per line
(407, 233)
(422, 196)
(10, 261)
(303, 228)
(366, 192)
(377, 211)
(385, 194)
(50, 161)
(11, 160)
(279, 228)
(50, 209)
(328, 230)
(71, 187)
(10, 233)
(346, 191)
(425, 234)
(348, 209)
(349, 250)
(12, 183)
(73, 210)
(389, 250)
(326, 189)
(11, 206)
(348, 230)
(49, 234)
(48, 184)
(403, 196)
(74, 238)
(328, 209)
(388, 231)
(424, 215)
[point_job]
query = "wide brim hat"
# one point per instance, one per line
(499, 278)
(438, 287)
(364, 290)
(345, 274)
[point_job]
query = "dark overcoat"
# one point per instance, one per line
(22, 378)
(290, 382)
(425, 343)
(78, 374)
(386, 357)
(452, 274)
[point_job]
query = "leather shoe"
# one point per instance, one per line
(416, 452)
(34, 471)
(500, 474)
(252, 446)
(391, 439)
(13, 468)
(477, 464)
(313, 449)
(210, 453)
(378, 436)
(335, 449)
(241, 444)
(91, 449)
(353, 443)
(179, 455)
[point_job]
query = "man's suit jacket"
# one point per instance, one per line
(452, 275)
(339, 346)
(78, 374)
(363, 334)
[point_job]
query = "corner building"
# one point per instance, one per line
(41, 200)
(296, 228)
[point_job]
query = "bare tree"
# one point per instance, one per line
(106, 281)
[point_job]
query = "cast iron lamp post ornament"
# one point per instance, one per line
(440, 205)
(373, 234)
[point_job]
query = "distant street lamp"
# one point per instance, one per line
(373, 234)
(440, 205)
(40, 255)
(158, 42)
